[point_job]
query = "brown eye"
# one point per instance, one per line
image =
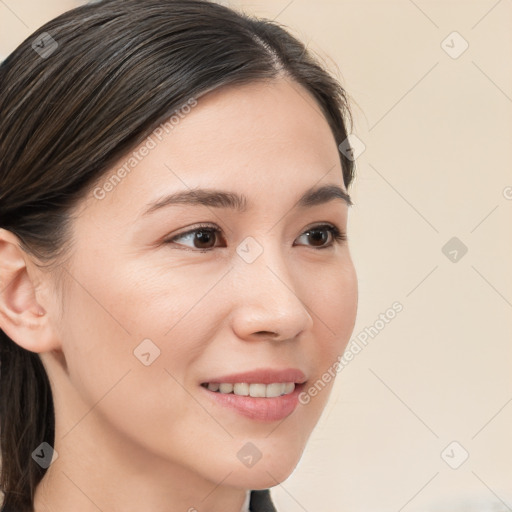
(201, 238)
(320, 234)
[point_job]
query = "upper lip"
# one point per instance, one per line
(263, 376)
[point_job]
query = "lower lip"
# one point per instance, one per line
(259, 408)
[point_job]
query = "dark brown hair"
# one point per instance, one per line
(76, 96)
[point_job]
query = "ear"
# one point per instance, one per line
(22, 317)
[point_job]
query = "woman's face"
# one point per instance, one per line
(147, 321)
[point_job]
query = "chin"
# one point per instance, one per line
(274, 467)
(257, 480)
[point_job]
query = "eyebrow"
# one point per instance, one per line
(224, 199)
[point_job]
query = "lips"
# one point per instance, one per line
(262, 395)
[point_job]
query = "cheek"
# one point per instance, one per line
(112, 328)
(133, 385)
(334, 310)
(147, 322)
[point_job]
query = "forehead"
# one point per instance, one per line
(265, 135)
(273, 112)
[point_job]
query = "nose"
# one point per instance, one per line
(267, 298)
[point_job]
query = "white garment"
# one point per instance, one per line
(245, 506)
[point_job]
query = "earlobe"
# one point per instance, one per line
(22, 317)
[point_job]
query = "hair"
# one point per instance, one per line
(114, 72)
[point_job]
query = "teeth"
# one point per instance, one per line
(225, 388)
(289, 387)
(275, 390)
(241, 388)
(257, 390)
(254, 390)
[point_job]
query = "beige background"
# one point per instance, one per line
(437, 165)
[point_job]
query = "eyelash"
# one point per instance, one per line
(339, 236)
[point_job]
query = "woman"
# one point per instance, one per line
(176, 282)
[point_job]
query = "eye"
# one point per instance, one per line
(203, 237)
(321, 232)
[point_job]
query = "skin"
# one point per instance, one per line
(131, 437)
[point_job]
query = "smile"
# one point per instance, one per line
(256, 390)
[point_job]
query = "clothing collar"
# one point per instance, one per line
(245, 506)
